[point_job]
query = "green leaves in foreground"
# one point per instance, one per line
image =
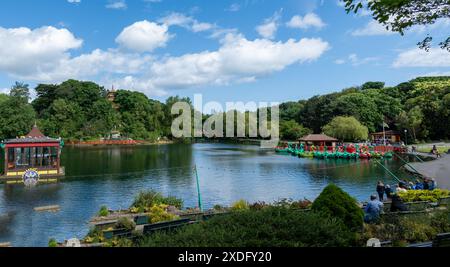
(269, 227)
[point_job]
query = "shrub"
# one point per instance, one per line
(424, 195)
(269, 227)
(125, 223)
(52, 243)
(290, 203)
(336, 203)
(158, 213)
(240, 205)
(104, 211)
(145, 200)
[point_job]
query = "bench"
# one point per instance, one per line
(117, 233)
(141, 219)
(165, 226)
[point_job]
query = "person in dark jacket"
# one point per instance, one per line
(388, 191)
(397, 204)
(380, 190)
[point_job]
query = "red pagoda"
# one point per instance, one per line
(32, 159)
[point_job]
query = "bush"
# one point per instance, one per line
(52, 243)
(104, 211)
(146, 200)
(240, 205)
(424, 195)
(334, 202)
(125, 223)
(158, 213)
(269, 227)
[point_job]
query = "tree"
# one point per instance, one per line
(361, 106)
(372, 85)
(16, 117)
(346, 129)
(291, 130)
(400, 15)
(20, 91)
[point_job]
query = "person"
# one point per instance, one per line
(434, 150)
(433, 184)
(388, 191)
(414, 149)
(373, 210)
(419, 185)
(426, 185)
(412, 186)
(401, 189)
(397, 204)
(380, 190)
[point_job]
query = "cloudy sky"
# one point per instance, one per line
(228, 50)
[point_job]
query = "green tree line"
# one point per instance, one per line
(81, 110)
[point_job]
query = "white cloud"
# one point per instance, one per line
(373, 28)
(74, 1)
(270, 26)
(238, 60)
(117, 4)
(25, 52)
(355, 60)
(310, 20)
(234, 7)
(43, 55)
(144, 36)
(416, 57)
(178, 19)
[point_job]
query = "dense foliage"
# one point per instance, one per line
(409, 229)
(347, 129)
(336, 203)
(146, 200)
(81, 110)
(268, 227)
(421, 106)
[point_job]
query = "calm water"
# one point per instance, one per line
(113, 175)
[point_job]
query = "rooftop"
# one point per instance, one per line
(34, 136)
(318, 138)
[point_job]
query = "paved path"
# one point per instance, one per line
(439, 169)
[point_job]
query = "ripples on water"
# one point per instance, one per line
(227, 173)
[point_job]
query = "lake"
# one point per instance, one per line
(112, 176)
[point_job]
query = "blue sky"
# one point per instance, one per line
(237, 50)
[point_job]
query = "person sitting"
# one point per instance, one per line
(401, 189)
(433, 184)
(397, 204)
(419, 185)
(373, 210)
(426, 185)
(388, 191)
(412, 186)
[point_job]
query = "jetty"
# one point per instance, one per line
(439, 169)
(53, 208)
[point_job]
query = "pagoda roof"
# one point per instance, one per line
(34, 136)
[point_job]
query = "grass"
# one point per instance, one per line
(441, 149)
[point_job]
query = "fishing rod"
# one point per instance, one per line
(384, 167)
(406, 162)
